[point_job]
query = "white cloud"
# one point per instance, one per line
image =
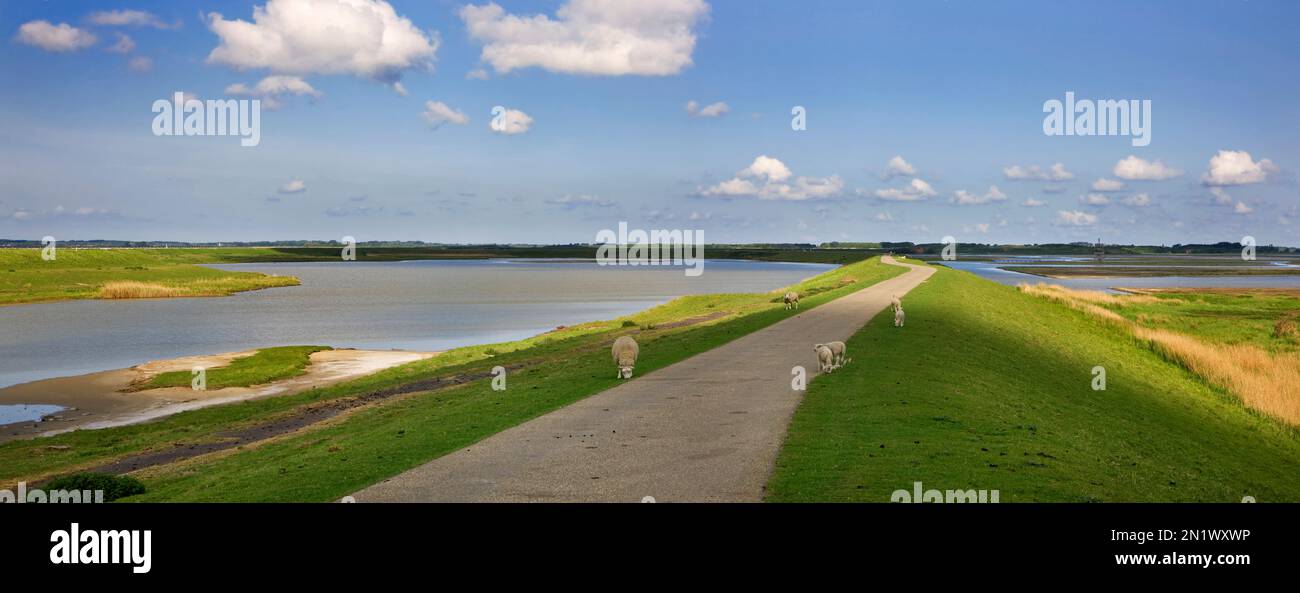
(57, 38)
(1221, 197)
(124, 45)
(438, 113)
(1032, 203)
(898, 167)
(1094, 200)
(294, 186)
(591, 37)
(366, 38)
(128, 18)
(1133, 168)
(917, 190)
(768, 178)
(711, 110)
(883, 217)
(271, 88)
(1104, 184)
(1242, 208)
(1235, 167)
(1138, 200)
(962, 197)
(476, 74)
(1056, 172)
(1075, 218)
(510, 121)
(140, 64)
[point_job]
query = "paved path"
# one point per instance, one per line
(707, 428)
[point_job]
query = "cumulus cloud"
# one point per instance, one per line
(1138, 200)
(1242, 208)
(293, 186)
(438, 113)
(272, 88)
(1104, 184)
(1075, 218)
(1221, 197)
(1032, 203)
(1235, 167)
(1056, 172)
(476, 74)
(1133, 168)
(898, 167)
(365, 38)
(509, 121)
(711, 110)
(124, 45)
(128, 18)
(767, 178)
(917, 190)
(1094, 200)
(56, 38)
(590, 37)
(883, 217)
(962, 197)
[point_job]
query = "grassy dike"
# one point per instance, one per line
(341, 455)
(990, 389)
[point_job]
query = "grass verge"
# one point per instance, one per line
(988, 388)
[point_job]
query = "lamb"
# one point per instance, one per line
(625, 351)
(837, 350)
(897, 303)
(791, 300)
(898, 317)
(825, 358)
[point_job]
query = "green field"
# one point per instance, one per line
(342, 455)
(987, 388)
(1267, 318)
(264, 366)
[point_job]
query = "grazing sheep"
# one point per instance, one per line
(791, 300)
(839, 350)
(898, 317)
(897, 303)
(825, 358)
(625, 351)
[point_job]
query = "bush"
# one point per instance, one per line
(629, 323)
(114, 487)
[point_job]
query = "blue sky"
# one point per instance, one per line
(955, 89)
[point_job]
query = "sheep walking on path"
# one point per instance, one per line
(897, 303)
(791, 300)
(898, 317)
(625, 351)
(825, 358)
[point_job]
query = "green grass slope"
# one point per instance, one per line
(264, 366)
(989, 389)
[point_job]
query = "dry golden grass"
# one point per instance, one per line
(1269, 383)
(1266, 382)
(130, 289)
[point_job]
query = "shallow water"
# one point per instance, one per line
(992, 271)
(417, 305)
(11, 413)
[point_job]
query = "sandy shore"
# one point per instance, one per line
(100, 400)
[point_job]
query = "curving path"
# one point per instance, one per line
(707, 428)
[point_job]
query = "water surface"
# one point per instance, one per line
(416, 305)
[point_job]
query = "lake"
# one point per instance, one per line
(416, 305)
(992, 270)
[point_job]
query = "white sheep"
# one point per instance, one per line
(825, 358)
(898, 317)
(897, 303)
(791, 300)
(625, 351)
(839, 350)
